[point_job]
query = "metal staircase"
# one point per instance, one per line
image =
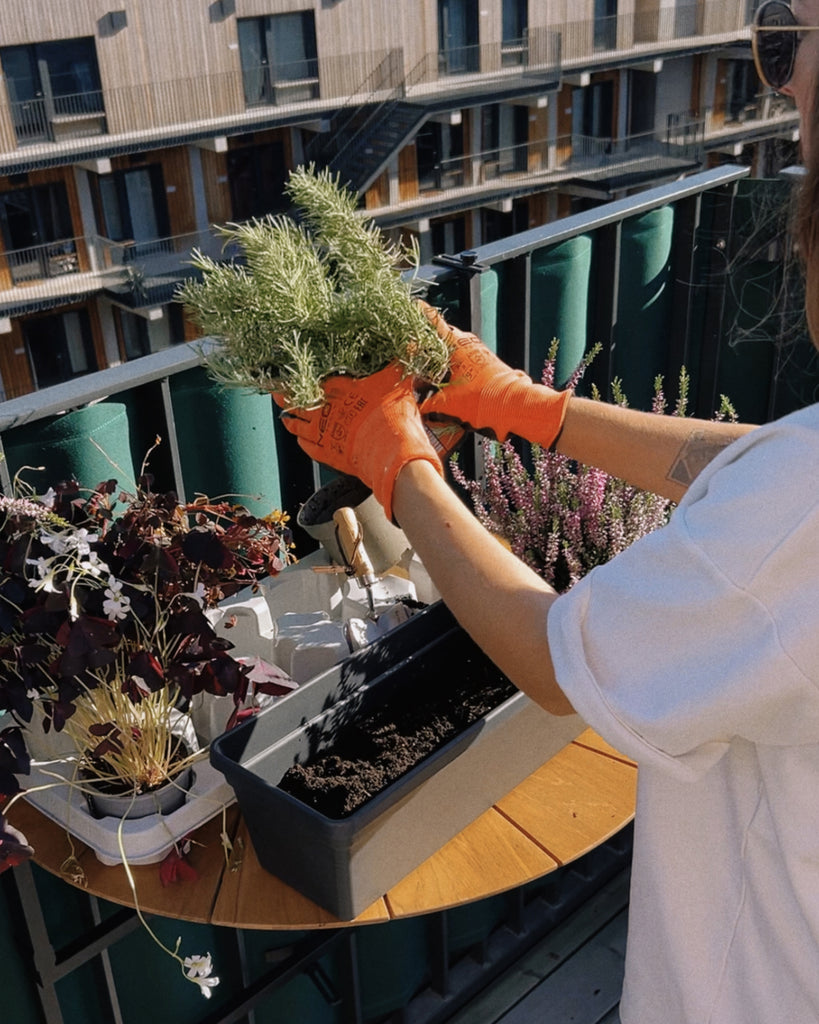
(388, 108)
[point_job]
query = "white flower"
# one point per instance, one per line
(117, 605)
(47, 573)
(58, 542)
(199, 594)
(49, 498)
(81, 540)
(198, 969)
(198, 966)
(94, 565)
(205, 985)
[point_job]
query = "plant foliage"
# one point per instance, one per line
(312, 296)
(563, 518)
(104, 621)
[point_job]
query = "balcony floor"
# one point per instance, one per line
(573, 976)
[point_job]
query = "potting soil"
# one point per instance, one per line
(377, 747)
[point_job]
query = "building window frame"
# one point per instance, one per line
(59, 346)
(514, 32)
(279, 58)
(51, 83)
(37, 232)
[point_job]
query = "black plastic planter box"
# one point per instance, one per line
(345, 864)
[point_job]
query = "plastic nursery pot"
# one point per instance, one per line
(384, 543)
(345, 863)
(165, 799)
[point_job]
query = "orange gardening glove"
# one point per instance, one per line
(369, 427)
(486, 395)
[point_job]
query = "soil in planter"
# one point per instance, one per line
(377, 748)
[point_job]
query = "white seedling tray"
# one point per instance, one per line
(145, 840)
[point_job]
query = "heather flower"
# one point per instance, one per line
(560, 517)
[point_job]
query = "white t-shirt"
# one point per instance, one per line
(696, 652)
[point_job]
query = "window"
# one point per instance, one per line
(131, 206)
(458, 49)
(51, 81)
(448, 236)
(59, 347)
(593, 111)
(515, 25)
(279, 58)
(439, 151)
(605, 24)
(742, 90)
(37, 232)
(504, 130)
(133, 334)
(257, 175)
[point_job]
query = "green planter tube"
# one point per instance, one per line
(559, 303)
(227, 444)
(643, 303)
(65, 446)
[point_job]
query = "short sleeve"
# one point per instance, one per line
(671, 651)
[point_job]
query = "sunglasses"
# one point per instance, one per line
(775, 38)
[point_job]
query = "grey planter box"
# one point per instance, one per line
(345, 864)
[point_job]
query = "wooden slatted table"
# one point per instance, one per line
(577, 800)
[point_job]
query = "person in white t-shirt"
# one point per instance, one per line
(695, 651)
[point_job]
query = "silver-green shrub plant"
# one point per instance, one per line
(316, 294)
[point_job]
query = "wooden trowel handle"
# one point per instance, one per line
(351, 541)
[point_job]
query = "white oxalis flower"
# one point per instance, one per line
(198, 969)
(199, 965)
(94, 564)
(47, 575)
(117, 605)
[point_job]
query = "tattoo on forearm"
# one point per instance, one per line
(697, 451)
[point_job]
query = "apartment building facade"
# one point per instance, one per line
(129, 129)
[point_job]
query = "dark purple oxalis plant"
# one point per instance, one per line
(102, 616)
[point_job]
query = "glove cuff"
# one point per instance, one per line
(538, 414)
(384, 481)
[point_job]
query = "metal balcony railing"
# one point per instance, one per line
(548, 160)
(267, 94)
(49, 118)
(499, 291)
(40, 276)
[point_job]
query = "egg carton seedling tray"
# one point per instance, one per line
(145, 840)
(345, 864)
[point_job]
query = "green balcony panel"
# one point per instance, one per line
(91, 444)
(559, 303)
(745, 370)
(311, 996)
(489, 308)
(393, 963)
(227, 444)
(473, 923)
(142, 970)
(643, 303)
(17, 987)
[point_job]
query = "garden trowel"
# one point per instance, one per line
(350, 535)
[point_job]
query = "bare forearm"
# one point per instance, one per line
(662, 454)
(498, 600)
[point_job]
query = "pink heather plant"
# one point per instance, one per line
(560, 517)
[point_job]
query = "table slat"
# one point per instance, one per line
(590, 739)
(489, 856)
(251, 897)
(574, 802)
